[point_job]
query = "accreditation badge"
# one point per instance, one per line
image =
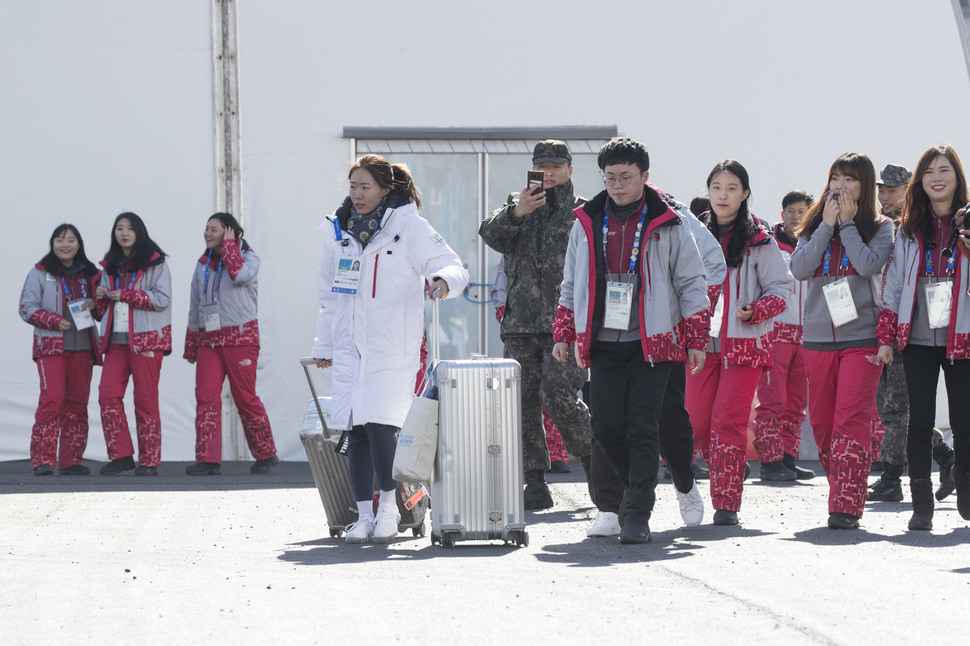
(82, 317)
(619, 302)
(717, 317)
(939, 300)
(210, 312)
(838, 297)
(347, 276)
(120, 325)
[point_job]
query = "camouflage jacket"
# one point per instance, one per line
(535, 252)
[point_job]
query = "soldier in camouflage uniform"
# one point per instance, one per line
(532, 230)
(892, 400)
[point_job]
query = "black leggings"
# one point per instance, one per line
(371, 448)
(922, 364)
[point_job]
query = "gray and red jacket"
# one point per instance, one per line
(43, 305)
(762, 281)
(788, 324)
(149, 297)
(864, 262)
(672, 306)
(899, 297)
(235, 288)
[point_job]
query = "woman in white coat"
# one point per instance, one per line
(376, 257)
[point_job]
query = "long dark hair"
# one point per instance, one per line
(742, 229)
(394, 177)
(860, 167)
(917, 213)
(229, 222)
(141, 255)
(53, 265)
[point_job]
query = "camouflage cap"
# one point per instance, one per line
(551, 150)
(893, 175)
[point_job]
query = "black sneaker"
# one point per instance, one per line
(115, 467)
(75, 470)
(204, 469)
(839, 520)
(263, 466)
(725, 517)
(44, 470)
(142, 470)
(800, 473)
(777, 472)
(634, 532)
(701, 472)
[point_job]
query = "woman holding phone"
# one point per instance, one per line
(57, 301)
(843, 244)
(927, 310)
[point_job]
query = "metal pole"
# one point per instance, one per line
(225, 91)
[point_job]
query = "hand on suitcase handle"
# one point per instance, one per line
(323, 363)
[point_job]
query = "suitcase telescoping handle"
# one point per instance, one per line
(306, 362)
(433, 343)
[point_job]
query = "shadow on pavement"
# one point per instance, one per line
(16, 477)
(825, 537)
(334, 551)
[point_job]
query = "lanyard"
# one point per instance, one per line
(67, 291)
(828, 258)
(636, 239)
(336, 228)
(117, 281)
(217, 283)
(929, 264)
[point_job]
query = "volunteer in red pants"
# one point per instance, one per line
(56, 300)
(755, 290)
(222, 340)
(842, 244)
(783, 390)
(136, 333)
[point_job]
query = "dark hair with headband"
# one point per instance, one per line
(395, 177)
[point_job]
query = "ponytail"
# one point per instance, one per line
(396, 178)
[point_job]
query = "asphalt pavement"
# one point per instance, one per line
(244, 559)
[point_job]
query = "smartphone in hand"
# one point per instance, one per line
(535, 181)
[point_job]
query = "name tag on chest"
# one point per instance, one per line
(619, 303)
(838, 297)
(939, 301)
(120, 325)
(347, 277)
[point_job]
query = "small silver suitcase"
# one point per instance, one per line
(476, 486)
(331, 472)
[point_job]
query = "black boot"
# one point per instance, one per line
(589, 478)
(801, 474)
(888, 488)
(943, 455)
(961, 479)
(537, 494)
(776, 472)
(921, 491)
(634, 516)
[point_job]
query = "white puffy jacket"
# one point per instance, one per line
(374, 336)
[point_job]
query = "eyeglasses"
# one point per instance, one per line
(621, 180)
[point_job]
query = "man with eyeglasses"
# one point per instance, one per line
(531, 229)
(634, 301)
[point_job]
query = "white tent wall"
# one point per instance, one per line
(107, 108)
(110, 109)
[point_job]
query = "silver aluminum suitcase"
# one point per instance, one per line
(476, 486)
(332, 474)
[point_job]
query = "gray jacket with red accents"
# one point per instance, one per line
(673, 305)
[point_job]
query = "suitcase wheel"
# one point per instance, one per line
(335, 533)
(521, 539)
(419, 530)
(448, 539)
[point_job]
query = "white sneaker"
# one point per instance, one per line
(691, 506)
(606, 523)
(385, 525)
(360, 532)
